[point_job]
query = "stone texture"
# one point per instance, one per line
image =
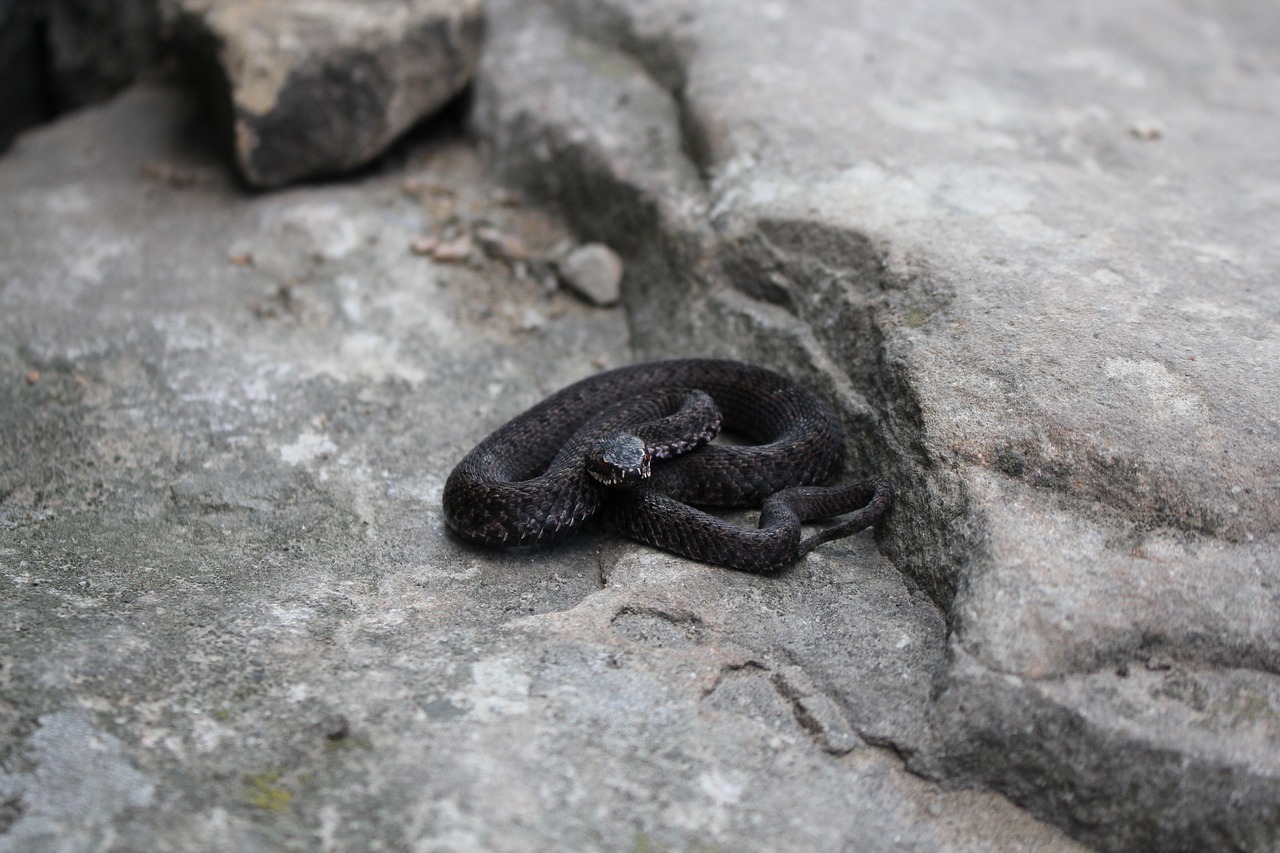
(234, 619)
(314, 87)
(1029, 255)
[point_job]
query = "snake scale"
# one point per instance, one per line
(645, 431)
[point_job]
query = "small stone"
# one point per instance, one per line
(422, 186)
(453, 251)
(424, 245)
(593, 271)
(1146, 130)
(501, 246)
(167, 173)
(532, 320)
(505, 198)
(33, 376)
(337, 728)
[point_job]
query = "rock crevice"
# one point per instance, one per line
(1051, 503)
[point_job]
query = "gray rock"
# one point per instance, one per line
(1029, 256)
(593, 271)
(314, 87)
(234, 618)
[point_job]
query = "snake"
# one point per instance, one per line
(636, 444)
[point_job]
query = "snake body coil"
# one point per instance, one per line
(529, 482)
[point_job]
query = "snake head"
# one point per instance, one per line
(619, 460)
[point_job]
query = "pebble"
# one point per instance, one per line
(594, 272)
(453, 251)
(424, 245)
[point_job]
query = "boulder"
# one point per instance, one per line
(316, 87)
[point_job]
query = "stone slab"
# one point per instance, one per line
(235, 620)
(1029, 252)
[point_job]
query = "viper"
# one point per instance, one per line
(635, 444)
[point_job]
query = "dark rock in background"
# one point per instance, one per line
(58, 55)
(315, 87)
(302, 88)
(24, 99)
(97, 47)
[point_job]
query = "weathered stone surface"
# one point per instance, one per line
(593, 271)
(1030, 256)
(234, 618)
(314, 87)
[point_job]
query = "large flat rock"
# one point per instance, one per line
(234, 619)
(1032, 254)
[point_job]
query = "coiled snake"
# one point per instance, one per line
(541, 475)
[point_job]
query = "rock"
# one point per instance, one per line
(98, 47)
(23, 99)
(453, 251)
(58, 55)
(594, 272)
(315, 87)
(499, 245)
(1041, 292)
(1027, 257)
(424, 245)
(234, 618)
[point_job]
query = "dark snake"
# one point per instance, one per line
(529, 481)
